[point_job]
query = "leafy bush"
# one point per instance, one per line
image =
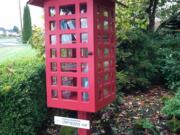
(172, 109)
(136, 58)
(37, 41)
(147, 58)
(169, 64)
(22, 97)
(171, 69)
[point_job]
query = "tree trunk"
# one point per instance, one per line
(151, 25)
(152, 14)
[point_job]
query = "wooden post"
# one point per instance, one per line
(84, 116)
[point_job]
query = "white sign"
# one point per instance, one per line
(77, 123)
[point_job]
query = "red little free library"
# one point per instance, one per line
(80, 46)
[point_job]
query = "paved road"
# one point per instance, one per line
(10, 42)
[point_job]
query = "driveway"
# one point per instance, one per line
(12, 48)
(10, 42)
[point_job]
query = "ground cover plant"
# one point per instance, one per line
(172, 111)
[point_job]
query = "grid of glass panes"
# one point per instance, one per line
(105, 47)
(66, 45)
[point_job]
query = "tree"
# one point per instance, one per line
(131, 17)
(141, 14)
(16, 29)
(168, 10)
(161, 9)
(171, 24)
(27, 27)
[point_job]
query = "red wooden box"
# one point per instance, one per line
(80, 53)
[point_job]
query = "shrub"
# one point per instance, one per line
(22, 97)
(37, 41)
(168, 58)
(171, 69)
(136, 57)
(144, 59)
(172, 109)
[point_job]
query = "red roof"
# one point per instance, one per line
(38, 3)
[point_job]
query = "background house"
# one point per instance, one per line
(172, 24)
(2, 31)
(8, 32)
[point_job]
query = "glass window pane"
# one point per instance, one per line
(111, 63)
(54, 94)
(83, 8)
(84, 52)
(84, 37)
(68, 38)
(85, 96)
(106, 65)
(99, 37)
(68, 24)
(52, 11)
(99, 52)
(67, 10)
(106, 25)
(85, 82)
(99, 66)
(53, 39)
(69, 81)
(112, 14)
(106, 77)
(68, 67)
(84, 67)
(53, 80)
(105, 13)
(68, 53)
(106, 52)
(99, 80)
(53, 66)
(105, 38)
(84, 23)
(106, 92)
(69, 95)
(52, 25)
(53, 53)
(98, 23)
(98, 9)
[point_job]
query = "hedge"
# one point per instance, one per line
(22, 97)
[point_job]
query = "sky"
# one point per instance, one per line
(9, 14)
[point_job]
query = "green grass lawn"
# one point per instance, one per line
(17, 52)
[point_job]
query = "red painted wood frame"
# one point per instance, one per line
(80, 54)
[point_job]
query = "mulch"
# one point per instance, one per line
(119, 119)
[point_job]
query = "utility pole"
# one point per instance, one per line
(20, 15)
